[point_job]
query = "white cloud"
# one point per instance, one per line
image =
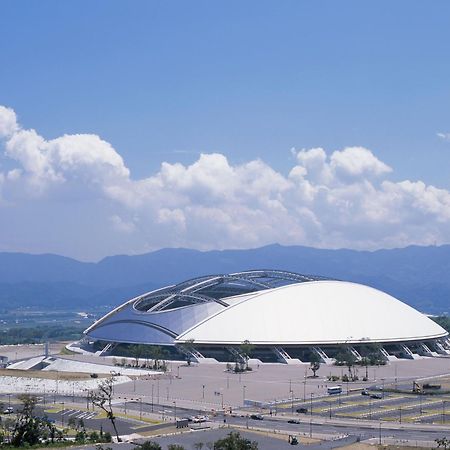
(444, 136)
(8, 122)
(342, 199)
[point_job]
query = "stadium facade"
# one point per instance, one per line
(285, 316)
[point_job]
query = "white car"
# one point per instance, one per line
(8, 410)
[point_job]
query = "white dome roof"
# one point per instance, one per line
(317, 312)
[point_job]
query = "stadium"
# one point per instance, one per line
(286, 317)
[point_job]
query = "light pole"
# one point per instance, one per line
(243, 394)
(443, 411)
(292, 402)
(203, 391)
(382, 387)
(140, 408)
(310, 428)
(175, 411)
(310, 404)
(304, 390)
(62, 414)
(380, 433)
(153, 388)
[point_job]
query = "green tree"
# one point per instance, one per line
(314, 363)
(234, 441)
(187, 347)
(245, 349)
(175, 447)
(28, 430)
(149, 445)
(103, 399)
(346, 358)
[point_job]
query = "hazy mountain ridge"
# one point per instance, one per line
(417, 275)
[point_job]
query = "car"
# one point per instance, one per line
(8, 410)
(302, 410)
(293, 421)
(377, 396)
(257, 417)
(365, 392)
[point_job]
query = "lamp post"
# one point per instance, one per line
(310, 404)
(153, 388)
(443, 411)
(382, 387)
(243, 394)
(292, 402)
(203, 391)
(175, 411)
(140, 408)
(380, 433)
(62, 414)
(304, 390)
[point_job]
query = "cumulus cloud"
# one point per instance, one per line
(343, 198)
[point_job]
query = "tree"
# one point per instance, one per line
(28, 430)
(137, 352)
(149, 445)
(187, 348)
(246, 349)
(234, 441)
(199, 445)
(175, 447)
(103, 399)
(314, 363)
(347, 358)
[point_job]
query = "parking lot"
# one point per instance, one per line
(386, 406)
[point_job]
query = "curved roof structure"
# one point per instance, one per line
(265, 307)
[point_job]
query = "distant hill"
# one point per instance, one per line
(417, 275)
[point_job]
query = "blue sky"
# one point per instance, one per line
(166, 81)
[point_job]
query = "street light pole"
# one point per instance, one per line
(310, 404)
(175, 411)
(243, 394)
(153, 388)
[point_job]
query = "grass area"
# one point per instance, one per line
(66, 351)
(47, 375)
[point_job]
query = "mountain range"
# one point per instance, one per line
(419, 276)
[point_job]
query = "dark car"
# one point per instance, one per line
(302, 410)
(293, 421)
(377, 396)
(365, 392)
(256, 417)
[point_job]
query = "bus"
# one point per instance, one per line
(334, 390)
